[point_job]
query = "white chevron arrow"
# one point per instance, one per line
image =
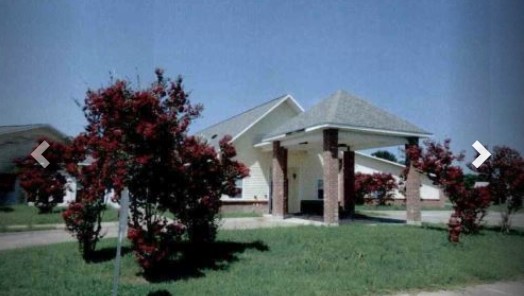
(37, 154)
(484, 154)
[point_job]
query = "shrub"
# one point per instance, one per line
(504, 171)
(437, 161)
(151, 248)
(139, 140)
(83, 220)
(375, 188)
(83, 217)
(45, 187)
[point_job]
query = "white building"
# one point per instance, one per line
(358, 124)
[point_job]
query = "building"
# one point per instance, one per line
(18, 141)
(296, 155)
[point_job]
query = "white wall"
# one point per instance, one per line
(307, 165)
(256, 186)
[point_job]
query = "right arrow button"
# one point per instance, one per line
(484, 154)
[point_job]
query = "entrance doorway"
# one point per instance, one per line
(293, 178)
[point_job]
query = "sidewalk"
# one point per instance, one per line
(513, 288)
(15, 240)
(492, 218)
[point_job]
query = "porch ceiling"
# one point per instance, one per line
(355, 140)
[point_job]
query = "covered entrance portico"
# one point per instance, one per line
(314, 136)
(337, 158)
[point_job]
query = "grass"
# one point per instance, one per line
(5, 228)
(447, 207)
(27, 215)
(241, 215)
(346, 260)
(367, 207)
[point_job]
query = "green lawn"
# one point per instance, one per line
(29, 216)
(240, 215)
(397, 208)
(447, 207)
(26, 215)
(345, 260)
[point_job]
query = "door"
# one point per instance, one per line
(293, 178)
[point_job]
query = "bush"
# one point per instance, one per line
(139, 140)
(152, 248)
(45, 187)
(437, 161)
(504, 171)
(374, 188)
(83, 220)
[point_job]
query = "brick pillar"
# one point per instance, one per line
(413, 183)
(284, 153)
(279, 194)
(348, 182)
(330, 156)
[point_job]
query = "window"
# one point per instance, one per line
(320, 189)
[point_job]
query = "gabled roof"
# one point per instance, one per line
(381, 160)
(19, 140)
(342, 110)
(239, 124)
(8, 129)
(15, 129)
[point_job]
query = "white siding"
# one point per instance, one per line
(256, 186)
(306, 165)
(312, 171)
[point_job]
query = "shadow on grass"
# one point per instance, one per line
(515, 231)
(5, 209)
(375, 219)
(159, 293)
(107, 254)
(485, 228)
(193, 259)
(356, 217)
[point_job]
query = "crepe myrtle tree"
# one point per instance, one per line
(439, 163)
(83, 217)
(45, 187)
(504, 172)
(139, 140)
(381, 185)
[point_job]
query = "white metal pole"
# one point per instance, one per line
(122, 228)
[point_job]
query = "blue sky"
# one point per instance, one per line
(454, 68)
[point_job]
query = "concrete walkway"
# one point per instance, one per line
(15, 240)
(513, 288)
(492, 218)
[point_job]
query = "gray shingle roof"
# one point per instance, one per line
(344, 109)
(8, 129)
(19, 140)
(236, 124)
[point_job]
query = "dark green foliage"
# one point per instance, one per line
(384, 154)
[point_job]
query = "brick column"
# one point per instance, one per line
(413, 183)
(348, 182)
(330, 156)
(279, 194)
(284, 153)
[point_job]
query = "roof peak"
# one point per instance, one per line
(347, 110)
(242, 113)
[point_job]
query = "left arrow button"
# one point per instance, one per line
(37, 154)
